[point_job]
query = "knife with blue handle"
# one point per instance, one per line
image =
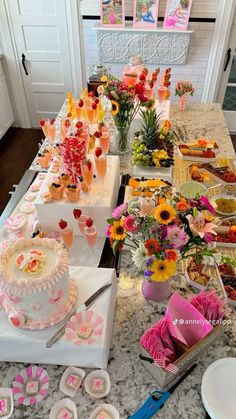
(157, 399)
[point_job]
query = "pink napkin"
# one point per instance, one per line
(210, 305)
(185, 322)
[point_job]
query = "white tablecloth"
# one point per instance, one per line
(30, 347)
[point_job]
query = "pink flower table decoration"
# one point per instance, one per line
(84, 328)
(30, 386)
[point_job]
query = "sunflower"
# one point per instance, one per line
(163, 270)
(117, 231)
(115, 107)
(165, 214)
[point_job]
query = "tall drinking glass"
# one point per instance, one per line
(101, 168)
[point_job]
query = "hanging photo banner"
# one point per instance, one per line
(112, 13)
(177, 14)
(145, 14)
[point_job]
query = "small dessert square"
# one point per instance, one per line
(65, 413)
(98, 385)
(103, 414)
(73, 381)
(85, 331)
(32, 387)
(4, 406)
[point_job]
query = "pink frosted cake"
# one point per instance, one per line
(35, 282)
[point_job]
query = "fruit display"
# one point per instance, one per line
(153, 144)
(228, 277)
(202, 172)
(187, 151)
(196, 274)
(145, 187)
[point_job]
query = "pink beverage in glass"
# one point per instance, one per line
(68, 237)
(101, 165)
(161, 92)
(91, 235)
(87, 172)
(44, 126)
(51, 129)
(65, 127)
(104, 141)
(148, 92)
(82, 223)
(84, 133)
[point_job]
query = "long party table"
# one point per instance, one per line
(130, 381)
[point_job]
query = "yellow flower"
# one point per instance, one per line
(165, 214)
(117, 231)
(163, 270)
(159, 155)
(115, 107)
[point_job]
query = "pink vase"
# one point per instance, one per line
(183, 101)
(156, 291)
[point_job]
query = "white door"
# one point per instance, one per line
(227, 90)
(40, 30)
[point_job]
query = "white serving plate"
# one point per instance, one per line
(219, 389)
(196, 159)
(194, 283)
(216, 178)
(213, 203)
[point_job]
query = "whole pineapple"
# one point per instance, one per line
(149, 128)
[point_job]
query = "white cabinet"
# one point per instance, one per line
(6, 114)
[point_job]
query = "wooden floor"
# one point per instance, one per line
(17, 150)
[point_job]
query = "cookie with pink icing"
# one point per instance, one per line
(36, 186)
(15, 223)
(30, 197)
(27, 208)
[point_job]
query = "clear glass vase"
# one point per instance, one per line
(122, 138)
(183, 102)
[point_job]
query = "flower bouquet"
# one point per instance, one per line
(162, 231)
(126, 103)
(183, 89)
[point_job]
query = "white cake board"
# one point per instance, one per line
(165, 173)
(18, 346)
(98, 207)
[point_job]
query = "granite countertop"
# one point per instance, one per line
(130, 381)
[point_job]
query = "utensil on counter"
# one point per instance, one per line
(81, 308)
(157, 399)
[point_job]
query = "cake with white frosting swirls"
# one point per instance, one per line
(34, 281)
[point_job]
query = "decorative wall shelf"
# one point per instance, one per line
(156, 46)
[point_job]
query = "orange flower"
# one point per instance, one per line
(182, 206)
(161, 201)
(202, 142)
(171, 254)
(152, 246)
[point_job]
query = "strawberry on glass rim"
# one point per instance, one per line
(98, 152)
(77, 213)
(89, 222)
(62, 224)
(42, 122)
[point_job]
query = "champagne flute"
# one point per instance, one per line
(101, 168)
(104, 141)
(82, 223)
(87, 173)
(68, 237)
(91, 237)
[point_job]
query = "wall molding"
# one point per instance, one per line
(160, 47)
